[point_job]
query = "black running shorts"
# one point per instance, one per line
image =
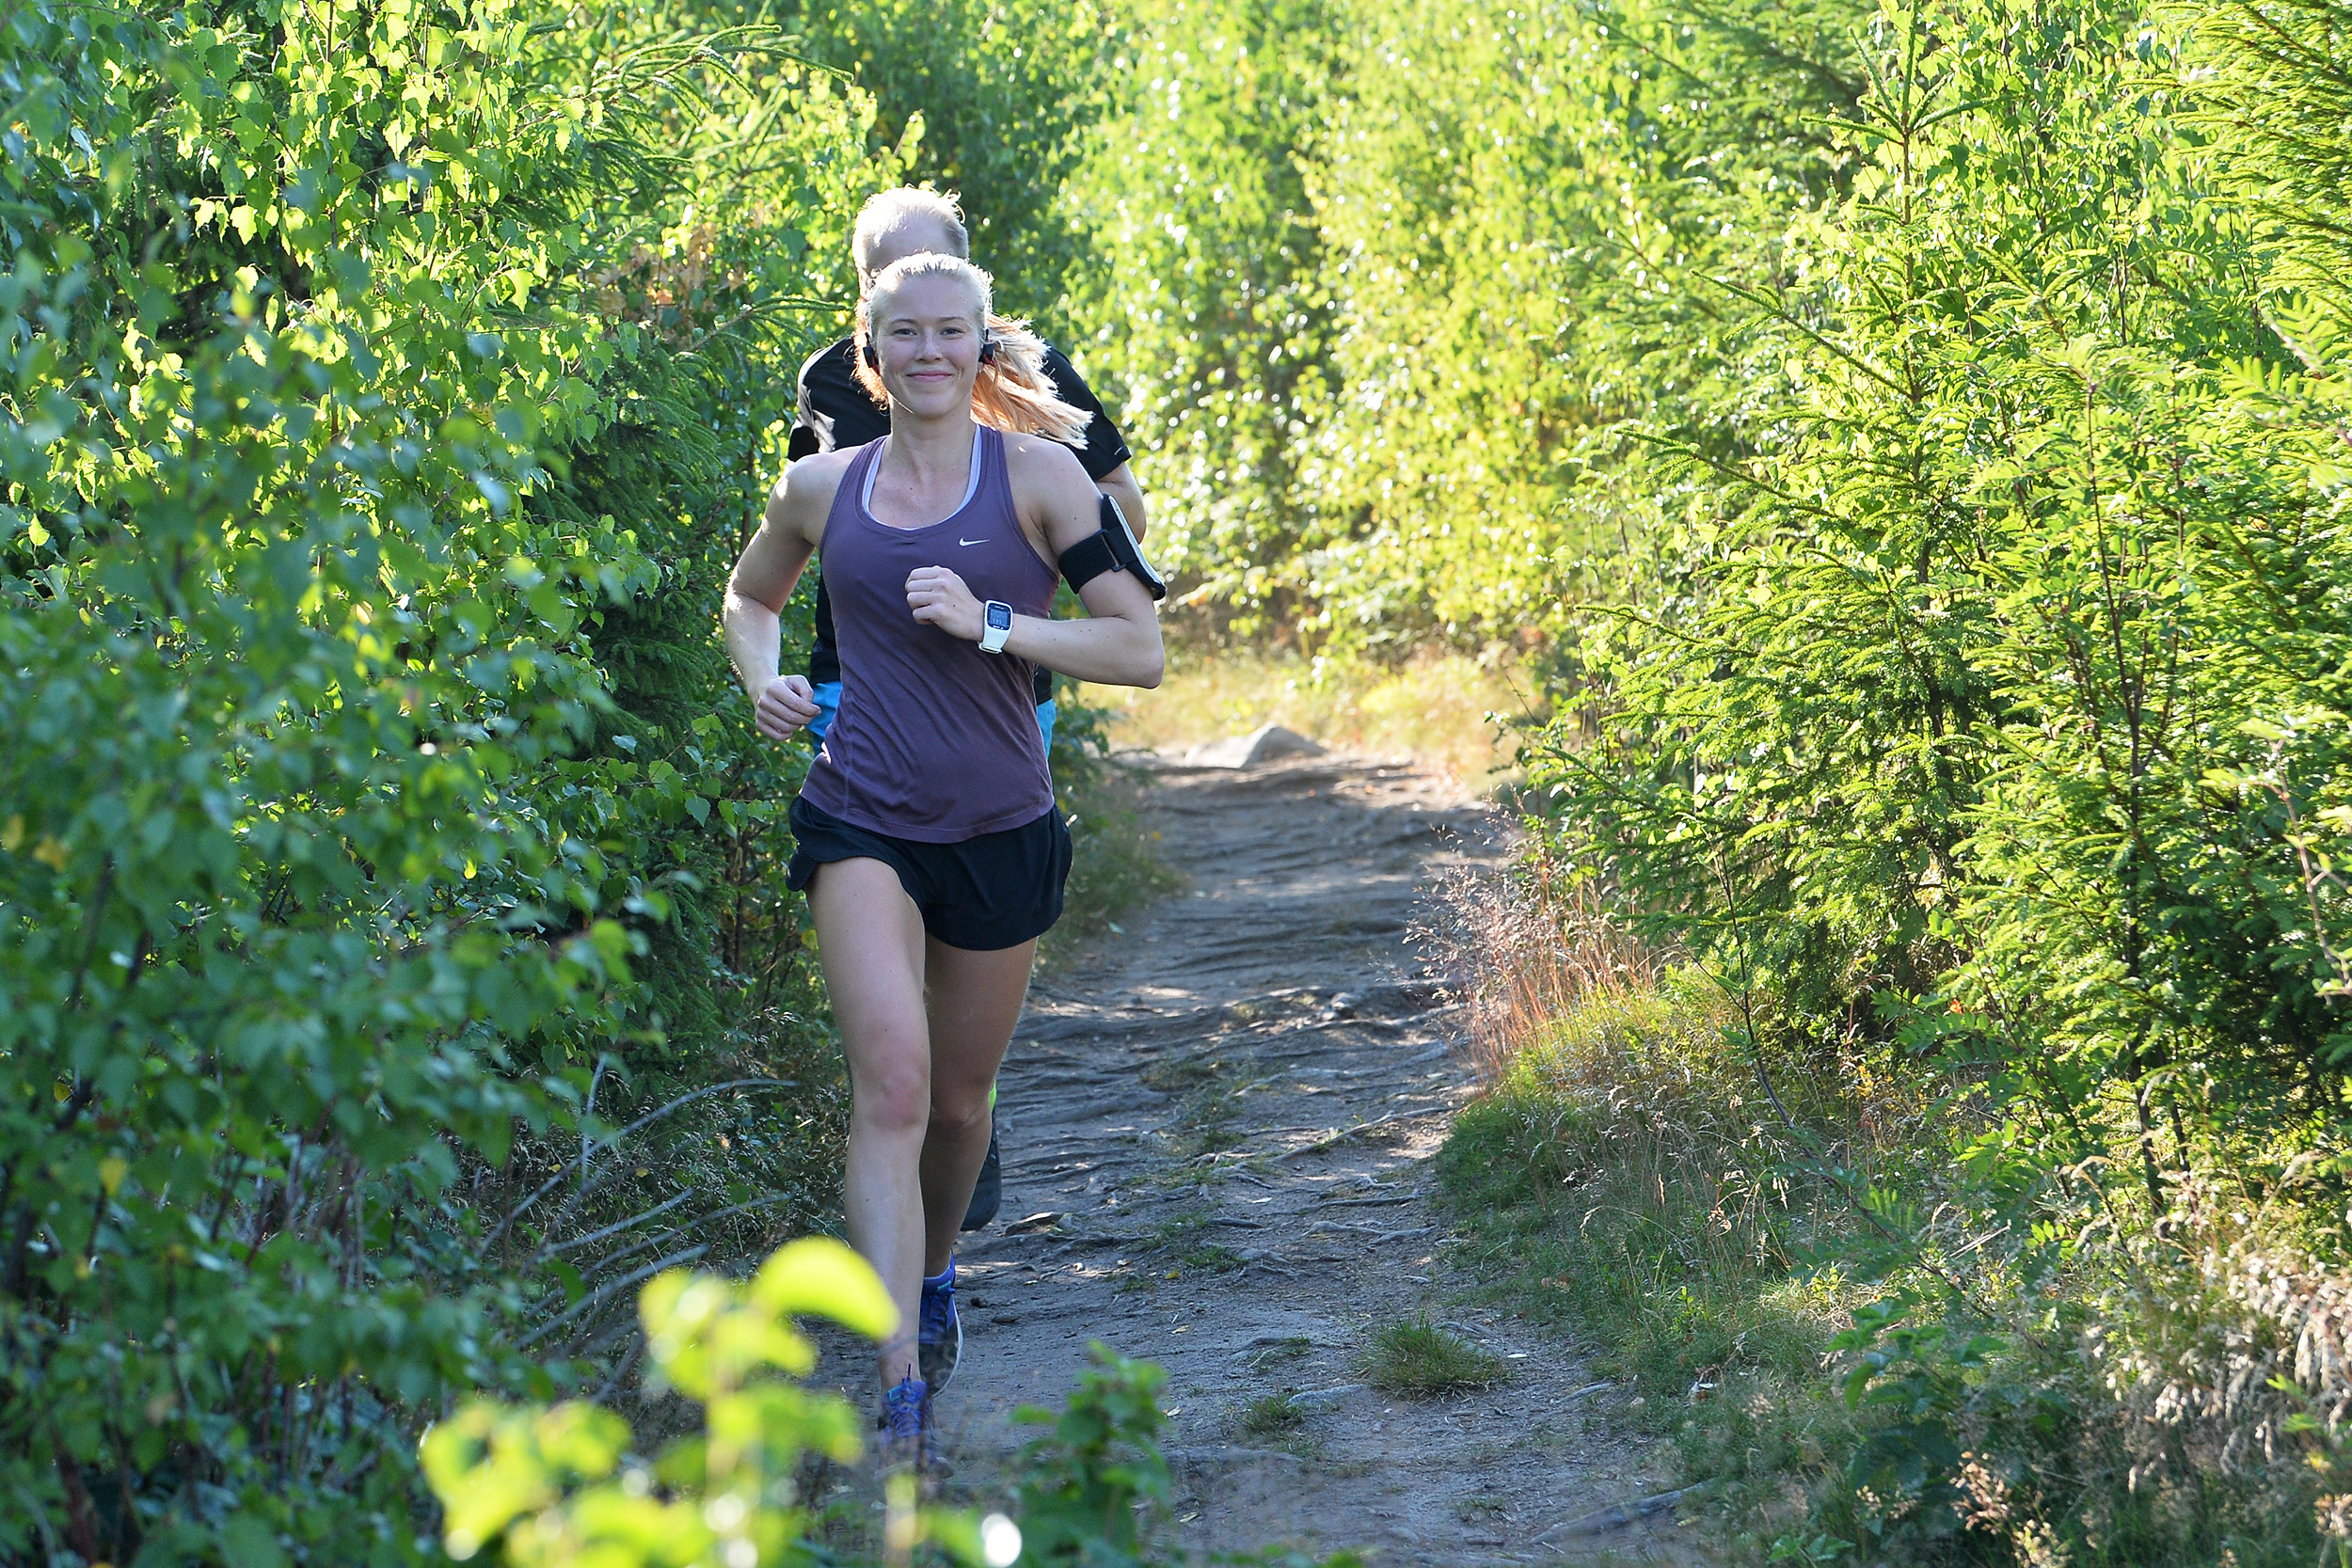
(984, 893)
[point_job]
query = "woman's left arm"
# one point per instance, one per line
(1118, 644)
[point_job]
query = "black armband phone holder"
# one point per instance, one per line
(1112, 550)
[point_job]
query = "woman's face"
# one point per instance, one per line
(927, 335)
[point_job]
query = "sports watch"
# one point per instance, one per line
(996, 625)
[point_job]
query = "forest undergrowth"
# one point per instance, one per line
(400, 979)
(1906, 444)
(1775, 1254)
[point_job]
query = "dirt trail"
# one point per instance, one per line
(1184, 1181)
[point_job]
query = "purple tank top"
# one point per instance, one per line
(935, 741)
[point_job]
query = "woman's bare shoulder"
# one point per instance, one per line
(1043, 462)
(1052, 491)
(809, 487)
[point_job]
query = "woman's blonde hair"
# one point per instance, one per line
(1012, 392)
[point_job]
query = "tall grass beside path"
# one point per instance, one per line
(1620, 1181)
(1753, 1290)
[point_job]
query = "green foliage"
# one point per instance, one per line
(1202, 298)
(1096, 1487)
(1387, 284)
(1983, 718)
(329, 860)
(1913, 1374)
(1626, 1179)
(1531, 202)
(552, 1486)
(988, 98)
(2006, 664)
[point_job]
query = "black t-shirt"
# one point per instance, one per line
(836, 411)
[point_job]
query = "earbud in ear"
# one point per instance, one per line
(988, 350)
(873, 360)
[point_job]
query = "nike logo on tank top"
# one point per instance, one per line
(936, 742)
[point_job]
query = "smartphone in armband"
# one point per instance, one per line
(1113, 549)
(1129, 550)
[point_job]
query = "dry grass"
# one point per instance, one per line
(1620, 1181)
(2220, 1344)
(1535, 950)
(1434, 709)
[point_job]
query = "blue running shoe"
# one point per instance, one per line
(938, 1333)
(906, 1420)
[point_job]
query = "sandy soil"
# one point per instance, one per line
(1217, 1130)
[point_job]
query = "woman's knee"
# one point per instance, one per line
(954, 1111)
(893, 1096)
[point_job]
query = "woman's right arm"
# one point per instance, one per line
(762, 582)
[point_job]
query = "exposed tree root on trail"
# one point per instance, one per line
(1216, 1131)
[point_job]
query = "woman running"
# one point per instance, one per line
(834, 408)
(928, 838)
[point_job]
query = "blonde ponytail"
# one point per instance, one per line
(1014, 392)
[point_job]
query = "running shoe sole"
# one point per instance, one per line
(987, 1194)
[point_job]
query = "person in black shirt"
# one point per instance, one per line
(837, 411)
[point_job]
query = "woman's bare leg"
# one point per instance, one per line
(975, 1001)
(870, 938)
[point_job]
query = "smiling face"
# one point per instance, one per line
(927, 335)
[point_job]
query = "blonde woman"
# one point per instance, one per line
(928, 838)
(838, 406)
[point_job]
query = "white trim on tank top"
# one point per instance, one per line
(971, 486)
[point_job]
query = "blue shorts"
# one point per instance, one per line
(828, 702)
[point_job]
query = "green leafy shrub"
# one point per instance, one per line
(991, 99)
(1997, 709)
(1202, 304)
(1095, 1488)
(556, 1486)
(327, 859)
(1385, 287)
(1525, 208)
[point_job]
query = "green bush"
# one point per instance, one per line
(329, 860)
(1202, 304)
(1526, 206)
(1387, 287)
(1095, 1486)
(988, 98)
(561, 1486)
